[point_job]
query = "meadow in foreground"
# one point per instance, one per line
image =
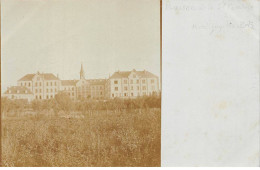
(125, 137)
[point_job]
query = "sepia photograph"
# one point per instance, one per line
(81, 83)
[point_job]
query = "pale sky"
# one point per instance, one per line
(55, 36)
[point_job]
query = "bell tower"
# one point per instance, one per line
(82, 74)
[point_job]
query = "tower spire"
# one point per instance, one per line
(82, 76)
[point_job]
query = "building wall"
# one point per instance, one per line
(97, 91)
(28, 97)
(128, 87)
(41, 88)
(133, 87)
(70, 90)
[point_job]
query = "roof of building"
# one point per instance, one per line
(97, 81)
(69, 82)
(46, 76)
(18, 90)
(125, 74)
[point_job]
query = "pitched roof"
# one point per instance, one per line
(49, 76)
(46, 76)
(69, 82)
(18, 90)
(27, 77)
(125, 74)
(97, 81)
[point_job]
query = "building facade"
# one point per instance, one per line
(130, 84)
(90, 88)
(69, 86)
(42, 85)
(122, 84)
(19, 92)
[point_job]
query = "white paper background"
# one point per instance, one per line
(210, 90)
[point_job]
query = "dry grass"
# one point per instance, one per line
(126, 138)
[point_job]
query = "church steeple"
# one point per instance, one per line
(82, 76)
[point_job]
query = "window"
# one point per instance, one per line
(115, 82)
(21, 84)
(137, 87)
(134, 76)
(36, 91)
(51, 83)
(116, 88)
(36, 97)
(101, 93)
(143, 81)
(112, 95)
(100, 87)
(55, 83)
(131, 81)
(72, 88)
(47, 97)
(40, 97)
(47, 90)
(137, 81)
(125, 88)
(144, 87)
(144, 93)
(47, 84)
(25, 84)
(40, 90)
(72, 94)
(36, 84)
(51, 90)
(40, 84)
(153, 88)
(55, 90)
(125, 81)
(29, 84)
(132, 94)
(152, 81)
(125, 94)
(132, 88)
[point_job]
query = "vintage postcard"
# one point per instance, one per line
(130, 83)
(80, 83)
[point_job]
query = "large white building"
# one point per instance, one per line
(42, 85)
(125, 84)
(122, 84)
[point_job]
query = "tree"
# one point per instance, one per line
(64, 102)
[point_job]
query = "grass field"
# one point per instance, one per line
(98, 138)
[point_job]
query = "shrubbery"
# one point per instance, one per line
(62, 102)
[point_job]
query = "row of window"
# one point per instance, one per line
(132, 81)
(39, 84)
(47, 83)
(132, 88)
(96, 87)
(47, 90)
(72, 88)
(126, 94)
(100, 93)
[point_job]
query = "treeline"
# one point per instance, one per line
(62, 102)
